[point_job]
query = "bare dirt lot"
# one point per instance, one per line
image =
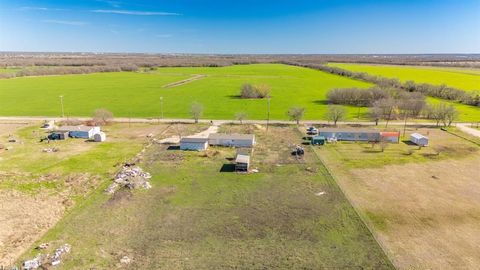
(426, 214)
(24, 218)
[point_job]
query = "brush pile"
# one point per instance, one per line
(131, 177)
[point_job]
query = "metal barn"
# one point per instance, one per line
(235, 140)
(194, 143)
(419, 139)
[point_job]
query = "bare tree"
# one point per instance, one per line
(336, 113)
(240, 116)
(383, 144)
(386, 108)
(443, 112)
(296, 114)
(375, 114)
(196, 110)
(102, 117)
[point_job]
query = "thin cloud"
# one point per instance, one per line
(134, 12)
(43, 9)
(115, 4)
(74, 23)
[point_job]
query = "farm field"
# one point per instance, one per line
(423, 205)
(137, 94)
(206, 217)
(38, 189)
(465, 79)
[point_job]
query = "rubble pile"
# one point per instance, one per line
(50, 150)
(131, 177)
(46, 260)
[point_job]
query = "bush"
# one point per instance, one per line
(255, 91)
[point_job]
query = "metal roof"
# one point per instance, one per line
(351, 130)
(242, 159)
(418, 136)
(193, 140)
(233, 136)
(75, 128)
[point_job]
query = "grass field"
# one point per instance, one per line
(137, 94)
(39, 188)
(202, 218)
(423, 207)
(465, 79)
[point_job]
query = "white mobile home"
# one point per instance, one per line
(84, 132)
(419, 139)
(235, 140)
(194, 143)
(350, 134)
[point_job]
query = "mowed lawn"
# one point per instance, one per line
(138, 94)
(465, 79)
(202, 218)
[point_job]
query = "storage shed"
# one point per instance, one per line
(242, 163)
(100, 137)
(58, 135)
(194, 143)
(318, 140)
(350, 134)
(390, 136)
(84, 132)
(235, 140)
(419, 139)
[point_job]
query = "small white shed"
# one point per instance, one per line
(194, 143)
(419, 139)
(99, 137)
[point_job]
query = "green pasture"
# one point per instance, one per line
(465, 79)
(138, 94)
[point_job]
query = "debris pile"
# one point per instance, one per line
(46, 260)
(131, 177)
(125, 260)
(50, 150)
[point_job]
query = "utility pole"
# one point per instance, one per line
(405, 124)
(268, 111)
(161, 106)
(61, 103)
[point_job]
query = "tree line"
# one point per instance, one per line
(438, 91)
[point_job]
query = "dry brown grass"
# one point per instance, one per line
(426, 214)
(24, 218)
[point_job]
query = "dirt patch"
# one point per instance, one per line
(24, 218)
(189, 80)
(7, 128)
(426, 214)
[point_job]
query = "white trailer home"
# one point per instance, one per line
(235, 140)
(194, 143)
(419, 139)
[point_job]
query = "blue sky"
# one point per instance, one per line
(241, 26)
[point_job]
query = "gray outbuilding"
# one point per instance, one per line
(194, 143)
(419, 139)
(242, 163)
(232, 140)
